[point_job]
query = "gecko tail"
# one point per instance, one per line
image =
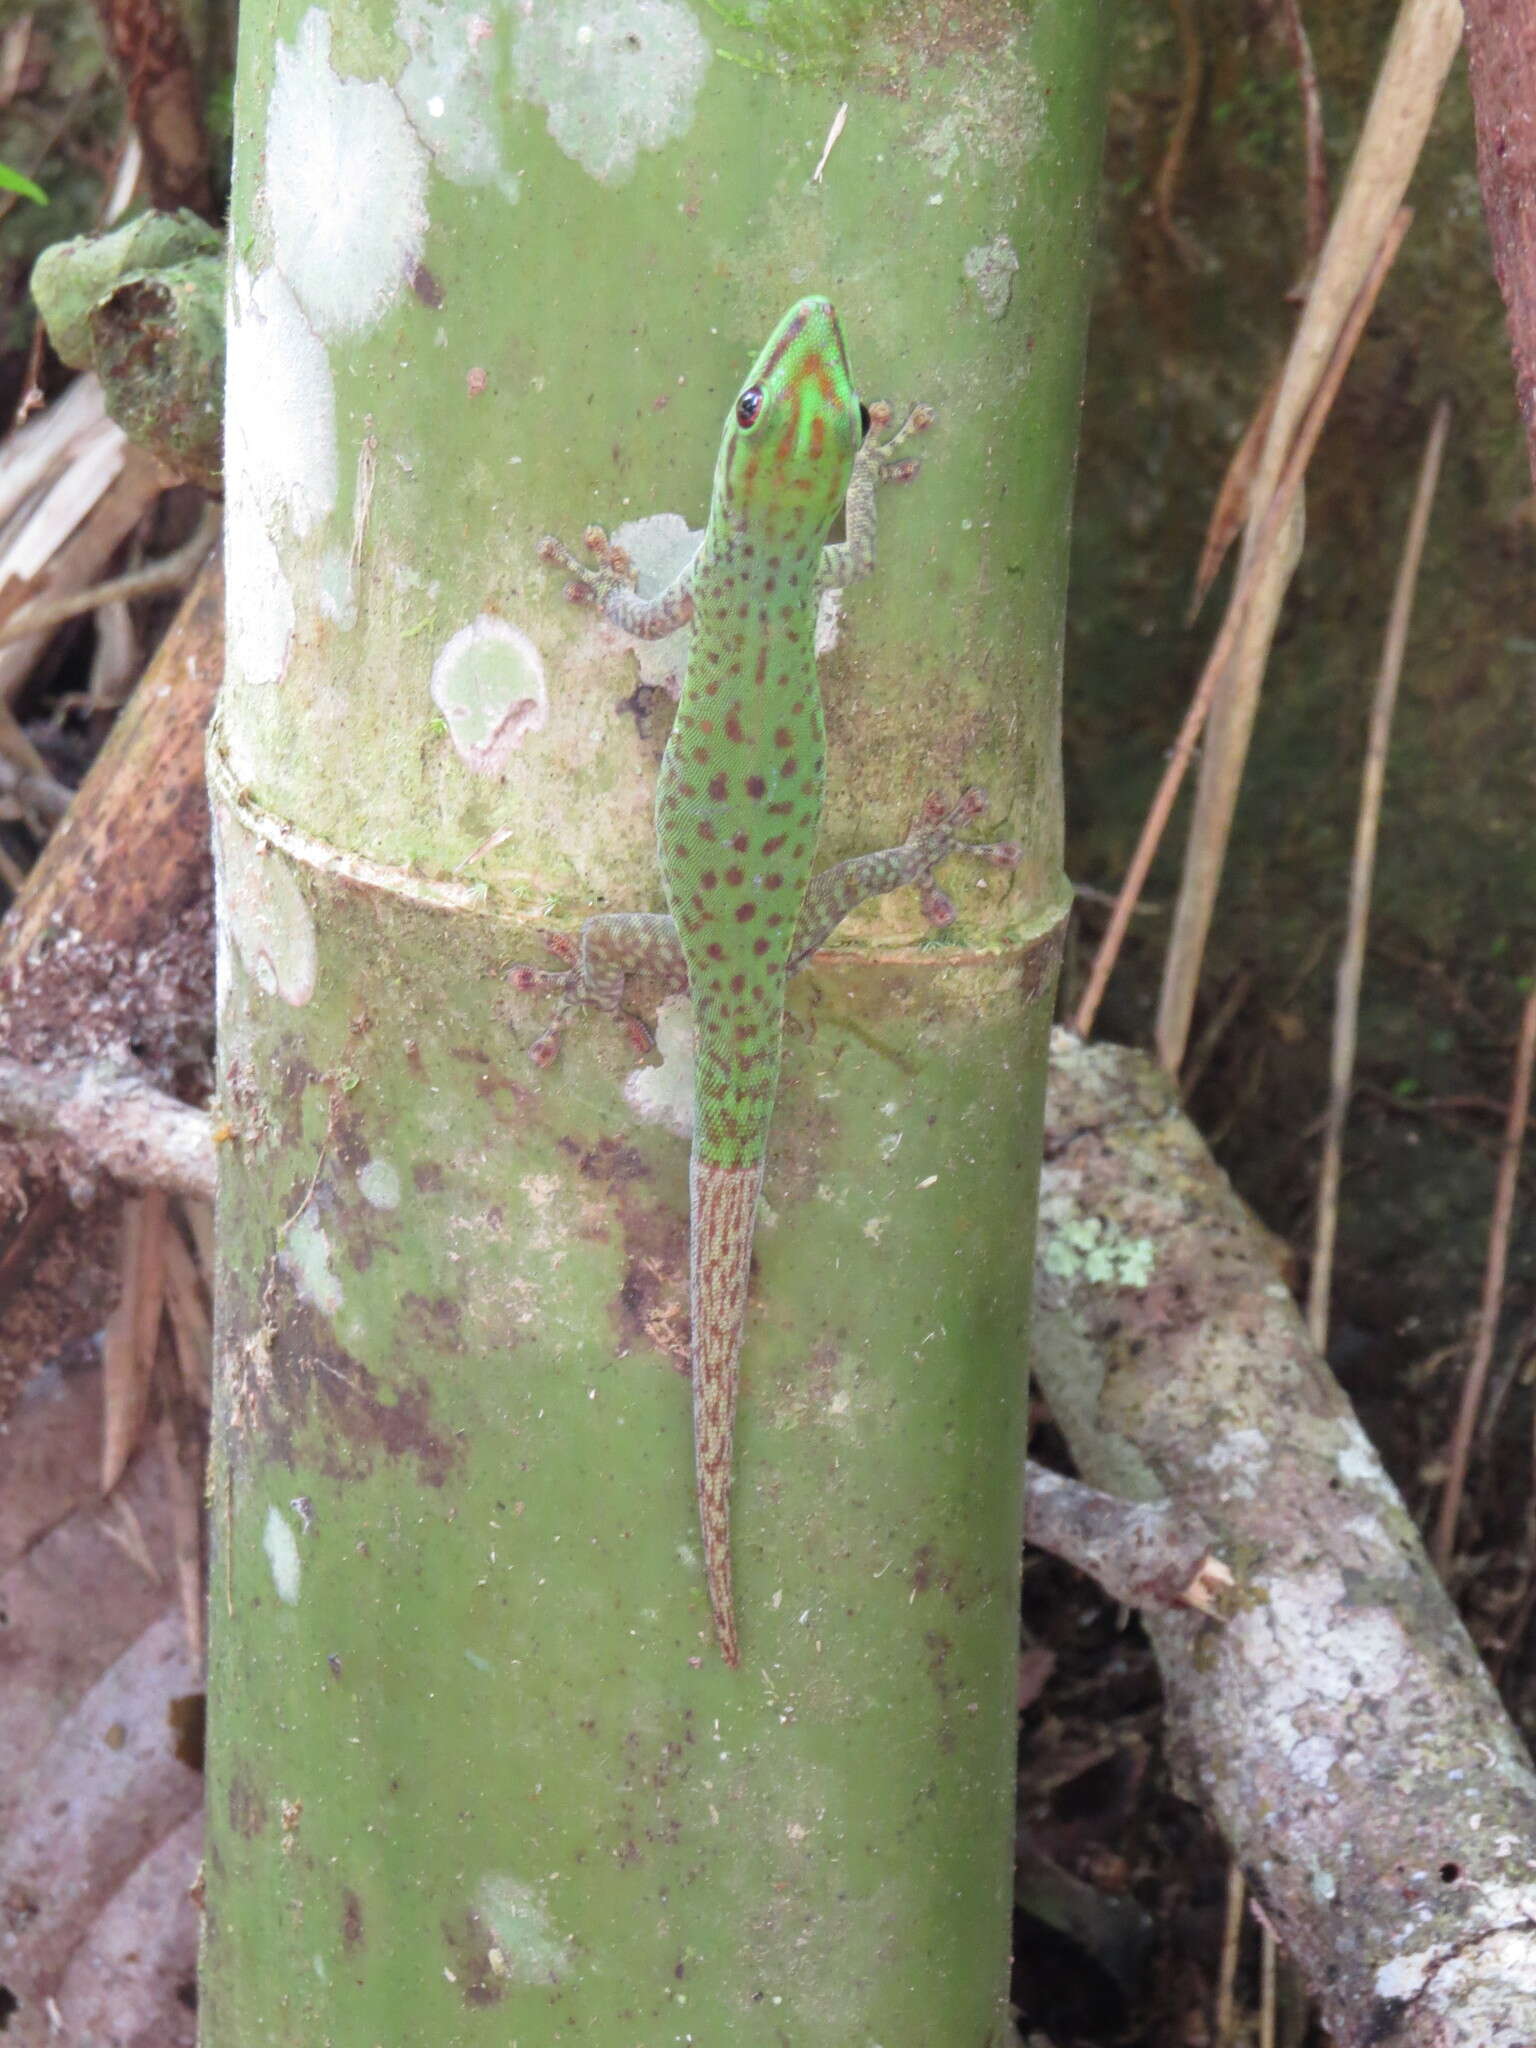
(724, 1207)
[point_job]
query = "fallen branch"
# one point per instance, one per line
(119, 1124)
(1340, 1728)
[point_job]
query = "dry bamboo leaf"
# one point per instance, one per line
(191, 1323)
(182, 1457)
(132, 1332)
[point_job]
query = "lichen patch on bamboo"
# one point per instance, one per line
(306, 1253)
(345, 188)
(450, 87)
(265, 912)
(614, 79)
(283, 1560)
(489, 684)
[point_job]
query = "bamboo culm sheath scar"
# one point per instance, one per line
(738, 813)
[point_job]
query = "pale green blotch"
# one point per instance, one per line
(663, 1094)
(379, 1184)
(282, 1549)
(995, 114)
(451, 88)
(345, 188)
(989, 269)
(1092, 1249)
(264, 912)
(613, 79)
(488, 682)
(531, 1952)
(306, 1253)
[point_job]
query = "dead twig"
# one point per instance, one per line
(1408, 86)
(1166, 184)
(1272, 525)
(1346, 1015)
(1143, 1553)
(1493, 1290)
(1312, 128)
(169, 572)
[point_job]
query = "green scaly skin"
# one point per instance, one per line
(738, 814)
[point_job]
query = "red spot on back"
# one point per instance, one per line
(745, 912)
(772, 845)
(755, 785)
(719, 788)
(782, 738)
(733, 726)
(733, 878)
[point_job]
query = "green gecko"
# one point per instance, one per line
(738, 813)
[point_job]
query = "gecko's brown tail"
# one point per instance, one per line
(724, 1205)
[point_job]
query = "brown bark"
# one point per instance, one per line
(1501, 59)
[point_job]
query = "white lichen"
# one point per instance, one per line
(306, 1254)
(283, 1560)
(345, 185)
(265, 912)
(531, 1951)
(989, 269)
(663, 1094)
(614, 79)
(379, 1184)
(451, 87)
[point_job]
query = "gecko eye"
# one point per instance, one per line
(863, 421)
(748, 406)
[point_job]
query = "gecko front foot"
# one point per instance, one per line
(883, 458)
(591, 582)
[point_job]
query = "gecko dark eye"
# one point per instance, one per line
(863, 421)
(748, 406)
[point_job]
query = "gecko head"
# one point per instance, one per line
(793, 430)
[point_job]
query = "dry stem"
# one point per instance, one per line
(1362, 875)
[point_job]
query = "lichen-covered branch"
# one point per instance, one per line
(1340, 1728)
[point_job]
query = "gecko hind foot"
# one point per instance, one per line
(935, 835)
